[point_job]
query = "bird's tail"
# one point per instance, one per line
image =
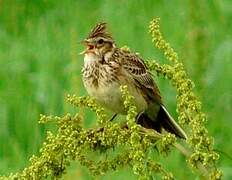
(169, 124)
(164, 120)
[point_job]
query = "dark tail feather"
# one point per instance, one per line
(169, 124)
(164, 120)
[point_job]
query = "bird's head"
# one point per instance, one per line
(99, 41)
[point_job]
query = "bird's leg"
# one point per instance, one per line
(113, 117)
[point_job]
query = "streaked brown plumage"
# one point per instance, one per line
(107, 67)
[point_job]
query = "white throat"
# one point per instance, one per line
(91, 58)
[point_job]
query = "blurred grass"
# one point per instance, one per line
(39, 64)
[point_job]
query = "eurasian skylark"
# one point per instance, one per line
(107, 67)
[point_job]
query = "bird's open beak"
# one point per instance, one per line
(89, 46)
(83, 52)
(84, 42)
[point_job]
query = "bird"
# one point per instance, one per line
(107, 67)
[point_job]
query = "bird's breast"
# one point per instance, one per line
(103, 81)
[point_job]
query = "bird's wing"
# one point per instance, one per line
(135, 66)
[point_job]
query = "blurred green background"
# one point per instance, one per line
(39, 65)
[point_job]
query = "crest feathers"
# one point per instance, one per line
(100, 30)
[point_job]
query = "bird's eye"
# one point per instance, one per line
(100, 41)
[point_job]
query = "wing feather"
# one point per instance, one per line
(135, 66)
